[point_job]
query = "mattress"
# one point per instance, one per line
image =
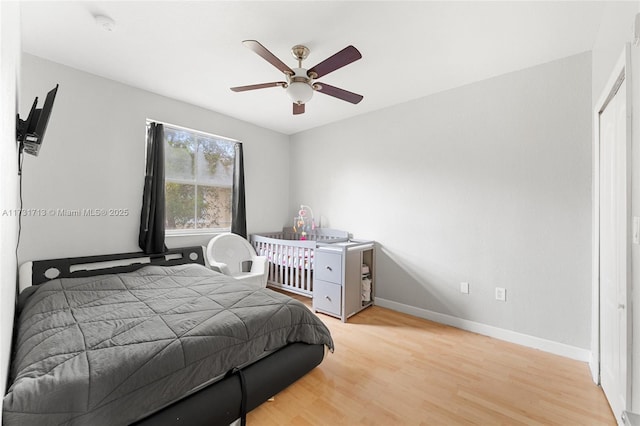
(290, 258)
(111, 349)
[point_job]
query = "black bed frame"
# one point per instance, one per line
(220, 403)
(225, 400)
(89, 266)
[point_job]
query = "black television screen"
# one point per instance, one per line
(31, 132)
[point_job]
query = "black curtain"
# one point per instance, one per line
(151, 237)
(238, 208)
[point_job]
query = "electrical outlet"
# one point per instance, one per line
(501, 294)
(464, 288)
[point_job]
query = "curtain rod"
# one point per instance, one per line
(175, 126)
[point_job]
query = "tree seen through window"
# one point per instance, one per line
(198, 180)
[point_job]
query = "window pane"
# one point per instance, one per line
(199, 176)
(214, 207)
(180, 149)
(180, 203)
(215, 162)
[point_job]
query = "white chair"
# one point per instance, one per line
(232, 255)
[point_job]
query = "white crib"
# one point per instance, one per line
(291, 259)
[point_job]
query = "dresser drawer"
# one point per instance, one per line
(327, 297)
(328, 267)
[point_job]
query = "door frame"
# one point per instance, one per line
(622, 70)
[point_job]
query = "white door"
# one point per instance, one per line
(613, 250)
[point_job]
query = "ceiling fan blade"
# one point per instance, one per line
(268, 56)
(336, 92)
(344, 57)
(258, 86)
(298, 109)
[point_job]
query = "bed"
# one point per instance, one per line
(164, 340)
(290, 258)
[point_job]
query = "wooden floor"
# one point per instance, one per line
(390, 368)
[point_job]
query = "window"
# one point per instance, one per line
(198, 181)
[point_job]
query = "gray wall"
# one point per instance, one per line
(93, 157)
(9, 69)
(488, 183)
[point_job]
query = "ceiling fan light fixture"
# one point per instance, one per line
(300, 83)
(299, 92)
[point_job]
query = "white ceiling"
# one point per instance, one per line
(192, 51)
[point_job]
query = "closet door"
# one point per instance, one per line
(614, 248)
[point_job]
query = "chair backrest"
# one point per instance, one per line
(231, 249)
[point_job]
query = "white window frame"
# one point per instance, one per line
(197, 231)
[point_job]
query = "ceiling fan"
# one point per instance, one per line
(301, 83)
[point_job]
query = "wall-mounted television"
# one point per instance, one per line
(31, 131)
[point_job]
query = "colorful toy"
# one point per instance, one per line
(304, 222)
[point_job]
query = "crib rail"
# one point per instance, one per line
(290, 260)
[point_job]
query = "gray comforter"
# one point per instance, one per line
(110, 349)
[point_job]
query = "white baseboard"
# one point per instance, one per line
(594, 368)
(550, 346)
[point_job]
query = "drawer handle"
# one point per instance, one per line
(329, 268)
(328, 298)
